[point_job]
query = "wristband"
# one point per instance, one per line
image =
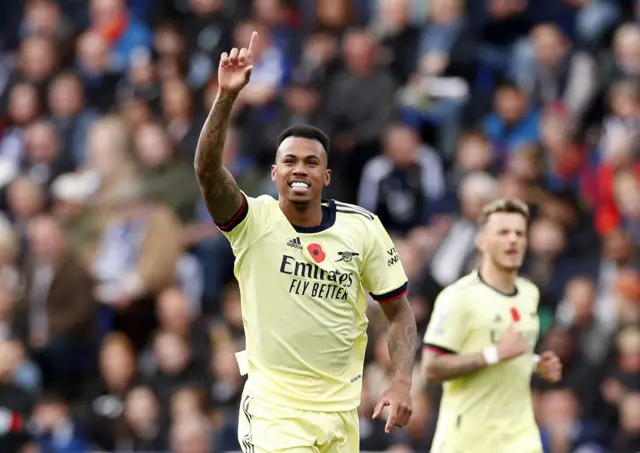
(490, 355)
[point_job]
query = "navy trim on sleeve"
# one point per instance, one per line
(391, 295)
(438, 349)
(236, 219)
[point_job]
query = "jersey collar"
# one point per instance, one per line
(328, 219)
(511, 294)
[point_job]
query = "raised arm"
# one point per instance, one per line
(219, 190)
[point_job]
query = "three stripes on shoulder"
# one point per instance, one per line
(346, 208)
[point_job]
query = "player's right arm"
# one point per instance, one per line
(223, 198)
(440, 366)
(445, 338)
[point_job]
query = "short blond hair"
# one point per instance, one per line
(504, 205)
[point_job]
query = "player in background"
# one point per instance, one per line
(480, 341)
(304, 266)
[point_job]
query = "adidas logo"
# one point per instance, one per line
(295, 243)
(498, 318)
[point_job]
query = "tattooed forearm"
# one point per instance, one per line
(402, 337)
(438, 368)
(219, 190)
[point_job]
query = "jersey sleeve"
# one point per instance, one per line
(536, 292)
(383, 275)
(248, 224)
(447, 328)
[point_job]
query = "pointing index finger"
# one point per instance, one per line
(252, 43)
(391, 421)
(393, 416)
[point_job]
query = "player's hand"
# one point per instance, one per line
(235, 67)
(550, 366)
(511, 345)
(398, 399)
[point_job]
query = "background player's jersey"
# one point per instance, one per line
(304, 300)
(489, 411)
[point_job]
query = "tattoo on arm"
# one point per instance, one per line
(402, 336)
(219, 190)
(441, 367)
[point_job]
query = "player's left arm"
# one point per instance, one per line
(402, 337)
(547, 364)
(385, 279)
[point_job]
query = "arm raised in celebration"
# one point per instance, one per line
(219, 189)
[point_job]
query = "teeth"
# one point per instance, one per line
(299, 185)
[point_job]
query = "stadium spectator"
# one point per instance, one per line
(457, 246)
(622, 59)
(404, 186)
(55, 428)
(142, 415)
(358, 116)
(166, 178)
(45, 18)
(513, 123)
(15, 402)
(121, 29)
(23, 107)
(176, 315)
(559, 73)
(398, 36)
(59, 329)
(71, 195)
(209, 32)
(192, 435)
(69, 114)
(44, 157)
(99, 79)
(626, 439)
(25, 199)
(101, 408)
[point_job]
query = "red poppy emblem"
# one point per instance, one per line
(316, 252)
(515, 315)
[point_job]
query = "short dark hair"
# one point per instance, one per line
(508, 85)
(51, 398)
(305, 131)
(506, 205)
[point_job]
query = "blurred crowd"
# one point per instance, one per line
(119, 314)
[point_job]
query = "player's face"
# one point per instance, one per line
(300, 171)
(504, 239)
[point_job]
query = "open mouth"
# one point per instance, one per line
(512, 252)
(299, 186)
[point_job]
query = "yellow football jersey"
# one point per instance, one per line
(303, 293)
(489, 411)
